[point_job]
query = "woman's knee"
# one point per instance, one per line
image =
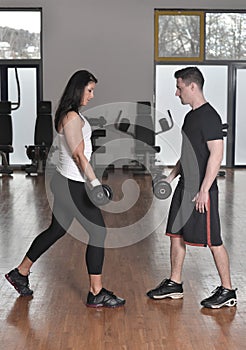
(97, 236)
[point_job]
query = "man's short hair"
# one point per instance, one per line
(190, 75)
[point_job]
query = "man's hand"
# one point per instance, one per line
(201, 200)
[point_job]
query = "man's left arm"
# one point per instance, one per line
(216, 148)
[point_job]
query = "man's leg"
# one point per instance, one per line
(221, 260)
(223, 295)
(172, 288)
(177, 256)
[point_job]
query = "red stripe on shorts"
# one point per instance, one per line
(208, 224)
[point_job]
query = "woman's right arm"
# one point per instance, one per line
(72, 126)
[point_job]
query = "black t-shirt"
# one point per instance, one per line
(200, 125)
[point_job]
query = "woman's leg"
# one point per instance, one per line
(42, 243)
(95, 284)
(25, 266)
(62, 218)
(90, 217)
(18, 277)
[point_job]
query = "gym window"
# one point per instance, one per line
(215, 41)
(226, 36)
(179, 35)
(20, 34)
(182, 35)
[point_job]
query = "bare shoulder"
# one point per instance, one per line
(72, 119)
(71, 115)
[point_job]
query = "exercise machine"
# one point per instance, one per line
(98, 131)
(43, 138)
(144, 137)
(6, 129)
(6, 136)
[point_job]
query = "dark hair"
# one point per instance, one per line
(190, 75)
(71, 97)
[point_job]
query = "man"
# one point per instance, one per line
(193, 217)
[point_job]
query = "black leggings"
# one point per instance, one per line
(71, 201)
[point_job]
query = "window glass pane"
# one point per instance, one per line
(20, 34)
(170, 141)
(226, 36)
(23, 118)
(179, 36)
(240, 140)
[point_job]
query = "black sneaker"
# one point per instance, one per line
(104, 298)
(221, 297)
(166, 289)
(20, 282)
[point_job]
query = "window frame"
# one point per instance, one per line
(232, 66)
(19, 63)
(26, 9)
(202, 57)
(197, 13)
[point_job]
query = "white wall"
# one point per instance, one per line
(112, 38)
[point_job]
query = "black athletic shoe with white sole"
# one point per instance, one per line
(166, 289)
(19, 282)
(104, 298)
(221, 297)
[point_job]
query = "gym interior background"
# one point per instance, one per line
(126, 69)
(116, 41)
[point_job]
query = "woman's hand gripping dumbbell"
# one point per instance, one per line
(99, 194)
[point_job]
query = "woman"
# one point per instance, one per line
(70, 194)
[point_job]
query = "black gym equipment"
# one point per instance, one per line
(43, 138)
(144, 137)
(100, 195)
(96, 149)
(6, 136)
(6, 129)
(101, 121)
(161, 188)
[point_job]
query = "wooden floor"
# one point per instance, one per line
(56, 318)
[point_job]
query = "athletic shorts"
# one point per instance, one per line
(198, 229)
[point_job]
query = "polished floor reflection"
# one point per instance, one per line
(56, 317)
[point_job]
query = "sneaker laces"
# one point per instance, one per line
(110, 293)
(162, 283)
(221, 287)
(216, 289)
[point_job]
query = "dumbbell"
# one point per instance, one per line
(161, 188)
(100, 195)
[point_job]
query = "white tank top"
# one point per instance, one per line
(66, 165)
